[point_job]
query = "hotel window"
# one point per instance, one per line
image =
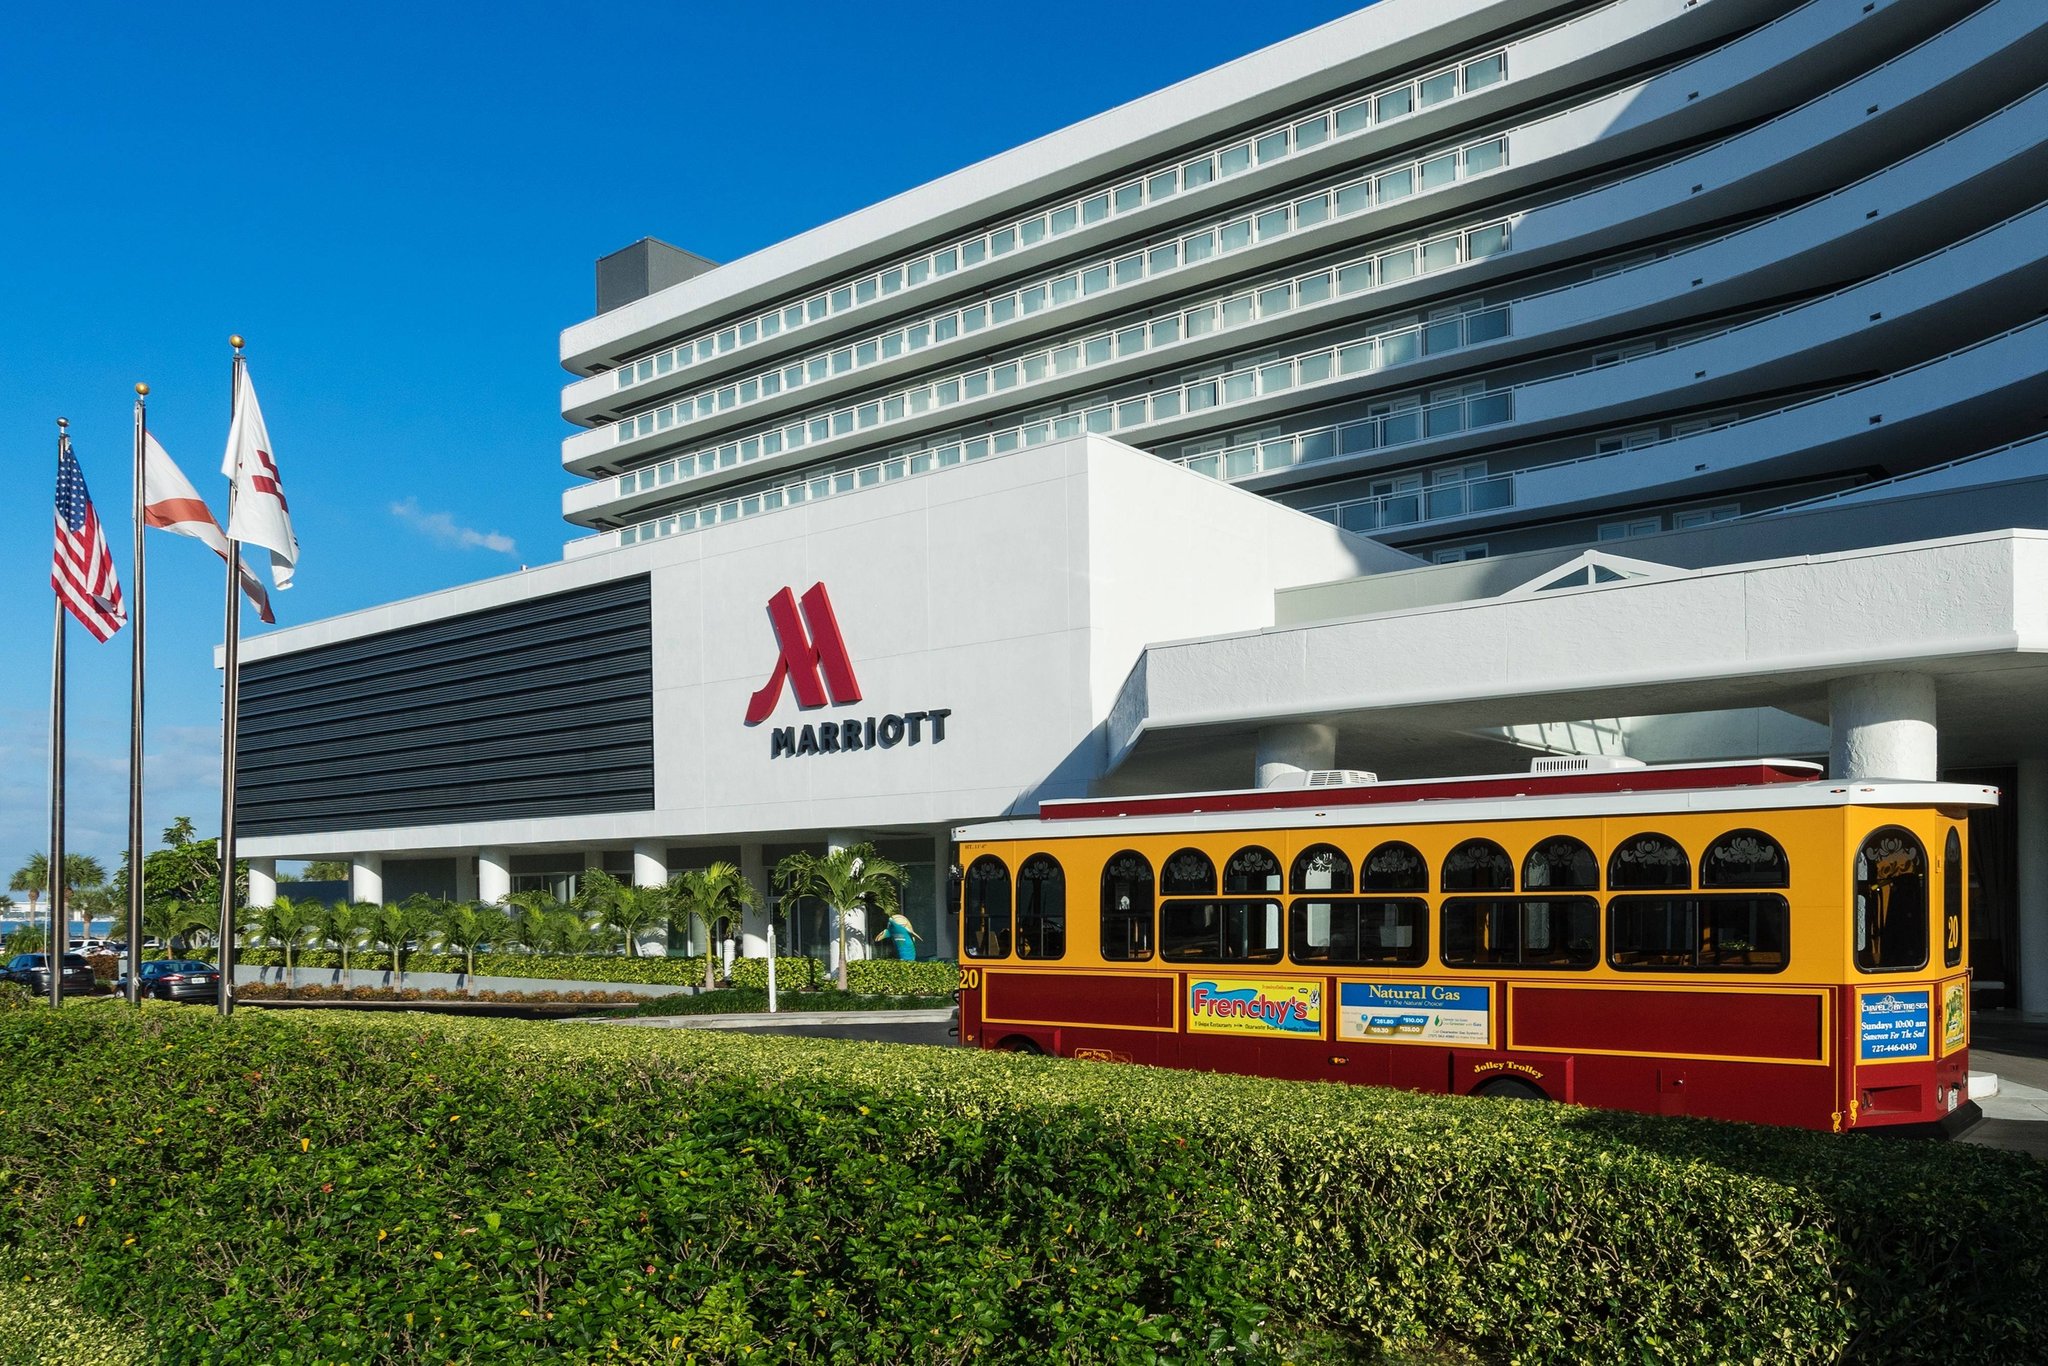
(1640, 526)
(1626, 441)
(1457, 554)
(1692, 517)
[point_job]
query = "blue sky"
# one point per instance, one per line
(400, 207)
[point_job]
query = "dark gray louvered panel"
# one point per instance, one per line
(542, 708)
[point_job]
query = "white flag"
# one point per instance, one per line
(258, 514)
(170, 503)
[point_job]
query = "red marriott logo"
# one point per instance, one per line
(814, 664)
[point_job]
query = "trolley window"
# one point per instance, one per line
(1320, 868)
(1647, 862)
(1561, 864)
(1699, 933)
(1252, 869)
(1745, 858)
(1528, 932)
(1212, 931)
(1127, 908)
(1952, 901)
(1394, 867)
(985, 908)
(1891, 902)
(1386, 932)
(1188, 873)
(1041, 908)
(1478, 866)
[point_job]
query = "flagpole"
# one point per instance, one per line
(135, 677)
(230, 719)
(59, 912)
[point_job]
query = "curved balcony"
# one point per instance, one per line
(1747, 170)
(1621, 36)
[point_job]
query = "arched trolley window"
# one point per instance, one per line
(1041, 909)
(1952, 932)
(1725, 927)
(1339, 930)
(985, 909)
(1127, 908)
(1891, 902)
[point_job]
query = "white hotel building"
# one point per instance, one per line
(1462, 382)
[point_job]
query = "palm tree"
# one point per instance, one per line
(33, 877)
(844, 880)
(286, 923)
(465, 925)
(528, 919)
(170, 920)
(395, 930)
(343, 924)
(708, 894)
(627, 911)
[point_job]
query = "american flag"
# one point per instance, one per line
(82, 572)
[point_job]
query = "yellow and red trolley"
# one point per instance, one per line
(1743, 941)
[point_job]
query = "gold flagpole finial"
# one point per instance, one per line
(235, 341)
(142, 391)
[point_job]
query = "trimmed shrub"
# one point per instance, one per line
(892, 977)
(393, 1188)
(791, 974)
(597, 967)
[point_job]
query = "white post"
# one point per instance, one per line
(2030, 955)
(771, 967)
(262, 881)
(366, 879)
(1883, 727)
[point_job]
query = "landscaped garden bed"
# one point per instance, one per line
(296, 1188)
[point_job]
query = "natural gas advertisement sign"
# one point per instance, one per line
(1266, 1006)
(1415, 1012)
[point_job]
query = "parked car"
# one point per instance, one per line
(32, 970)
(179, 979)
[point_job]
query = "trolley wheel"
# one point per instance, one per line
(1022, 1045)
(1511, 1088)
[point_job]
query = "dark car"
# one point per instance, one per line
(32, 970)
(180, 979)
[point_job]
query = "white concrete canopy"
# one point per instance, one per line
(1966, 613)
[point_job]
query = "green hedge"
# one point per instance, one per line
(884, 977)
(275, 1188)
(791, 974)
(891, 977)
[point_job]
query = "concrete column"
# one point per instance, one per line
(262, 882)
(493, 875)
(2030, 955)
(1303, 747)
(366, 879)
(1883, 727)
(650, 869)
(754, 925)
(943, 944)
(465, 877)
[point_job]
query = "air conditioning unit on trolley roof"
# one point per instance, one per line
(1584, 763)
(1325, 777)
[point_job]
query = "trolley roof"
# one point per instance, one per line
(1760, 785)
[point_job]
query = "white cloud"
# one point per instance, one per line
(441, 526)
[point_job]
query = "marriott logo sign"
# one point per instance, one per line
(811, 658)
